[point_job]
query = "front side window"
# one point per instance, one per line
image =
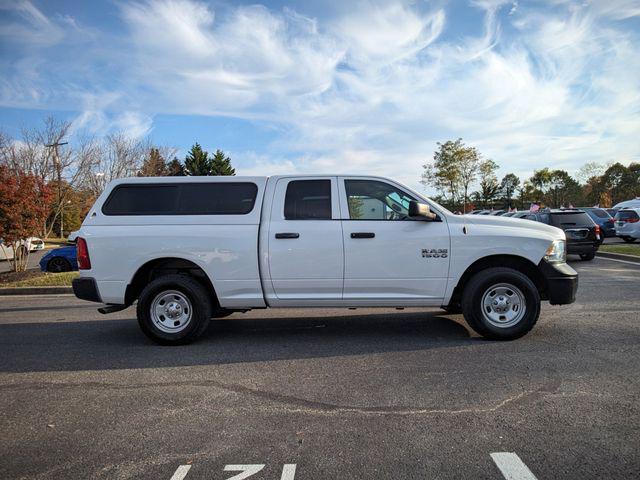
(375, 200)
(308, 200)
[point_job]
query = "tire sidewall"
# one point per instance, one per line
(472, 306)
(200, 309)
(66, 266)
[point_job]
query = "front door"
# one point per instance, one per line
(306, 256)
(390, 259)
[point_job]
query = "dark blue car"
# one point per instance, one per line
(603, 219)
(61, 259)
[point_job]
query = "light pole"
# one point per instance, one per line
(58, 167)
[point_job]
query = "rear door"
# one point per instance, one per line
(390, 259)
(306, 257)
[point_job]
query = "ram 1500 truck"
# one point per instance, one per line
(194, 248)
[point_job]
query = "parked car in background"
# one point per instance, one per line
(32, 244)
(602, 218)
(627, 224)
(633, 203)
(508, 214)
(62, 259)
(583, 234)
(611, 211)
(498, 212)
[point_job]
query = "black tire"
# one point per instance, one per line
(481, 283)
(58, 264)
(588, 256)
(629, 239)
(200, 304)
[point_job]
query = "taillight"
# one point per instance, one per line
(633, 220)
(598, 233)
(84, 262)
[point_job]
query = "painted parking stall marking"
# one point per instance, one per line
(512, 467)
(246, 471)
(181, 472)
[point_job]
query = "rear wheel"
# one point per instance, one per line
(58, 264)
(501, 303)
(174, 310)
(629, 239)
(587, 256)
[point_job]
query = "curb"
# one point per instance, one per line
(620, 256)
(36, 291)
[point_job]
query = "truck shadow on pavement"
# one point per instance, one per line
(119, 344)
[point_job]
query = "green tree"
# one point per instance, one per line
(488, 181)
(454, 168)
(175, 168)
(197, 162)
(221, 164)
(620, 182)
(508, 187)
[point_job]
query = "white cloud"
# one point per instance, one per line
(370, 88)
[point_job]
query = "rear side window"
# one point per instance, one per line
(599, 213)
(568, 220)
(308, 200)
(182, 199)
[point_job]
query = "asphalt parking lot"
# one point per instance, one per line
(325, 394)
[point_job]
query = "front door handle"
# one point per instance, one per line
(363, 235)
(287, 235)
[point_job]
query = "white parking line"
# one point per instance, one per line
(621, 261)
(181, 472)
(512, 467)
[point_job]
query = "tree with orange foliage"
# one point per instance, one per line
(25, 202)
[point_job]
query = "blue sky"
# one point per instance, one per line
(311, 86)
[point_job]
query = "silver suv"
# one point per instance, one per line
(627, 223)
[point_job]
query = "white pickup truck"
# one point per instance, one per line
(189, 249)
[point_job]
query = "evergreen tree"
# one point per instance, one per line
(221, 164)
(175, 168)
(197, 162)
(154, 165)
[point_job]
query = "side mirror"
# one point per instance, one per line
(421, 210)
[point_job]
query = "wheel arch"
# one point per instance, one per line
(158, 267)
(516, 262)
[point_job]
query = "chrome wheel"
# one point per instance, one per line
(171, 311)
(503, 305)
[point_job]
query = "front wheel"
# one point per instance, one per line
(501, 303)
(629, 239)
(174, 310)
(587, 256)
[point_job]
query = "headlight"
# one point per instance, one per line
(557, 252)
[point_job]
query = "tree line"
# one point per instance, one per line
(465, 180)
(47, 185)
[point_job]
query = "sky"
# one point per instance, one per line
(312, 86)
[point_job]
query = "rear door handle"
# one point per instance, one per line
(287, 235)
(363, 235)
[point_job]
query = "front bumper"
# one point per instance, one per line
(561, 280)
(85, 288)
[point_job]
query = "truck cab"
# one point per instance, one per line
(187, 249)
